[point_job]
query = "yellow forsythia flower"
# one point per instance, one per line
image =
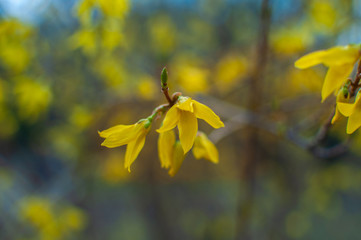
(132, 135)
(340, 61)
(170, 152)
(177, 159)
(342, 97)
(166, 143)
(353, 112)
(184, 114)
(204, 148)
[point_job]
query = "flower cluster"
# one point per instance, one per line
(181, 112)
(340, 61)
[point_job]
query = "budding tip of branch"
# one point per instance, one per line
(164, 77)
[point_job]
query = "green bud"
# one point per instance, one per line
(147, 123)
(345, 91)
(164, 77)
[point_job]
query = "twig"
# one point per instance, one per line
(239, 118)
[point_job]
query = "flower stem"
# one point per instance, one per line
(355, 84)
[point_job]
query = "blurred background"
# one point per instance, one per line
(71, 68)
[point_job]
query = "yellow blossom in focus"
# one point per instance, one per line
(32, 98)
(146, 87)
(204, 148)
(170, 152)
(184, 114)
(132, 135)
(353, 112)
(229, 70)
(342, 97)
(340, 60)
(177, 158)
(166, 143)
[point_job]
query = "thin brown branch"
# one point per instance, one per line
(238, 118)
(355, 83)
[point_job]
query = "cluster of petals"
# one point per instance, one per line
(340, 61)
(184, 114)
(132, 135)
(353, 112)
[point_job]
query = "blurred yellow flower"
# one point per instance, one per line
(303, 81)
(84, 39)
(112, 170)
(193, 79)
(132, 135)
(15, 57)
(146, 87)
(324, 14)
(114, 8)
(229, 70)
(111, 71)
(80, 117)
(184, 114)
(36, 210)
(353, 112)
(342, 97)
(72, 218)
(340, 60)
(289, 41)
(32, 97)
(162, 34)
(84, 11)
(204, 148)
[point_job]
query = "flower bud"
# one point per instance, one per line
(164, 78)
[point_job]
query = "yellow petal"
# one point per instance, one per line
(341, 55)
(310, 59)
(354, 121)
(358, 101)
(170, 121)
(133, 150)
(203, 112)
(335, 77)
(166, 142)
(188, 127)
(346, 108)
(122, 136)
(336, 117)
(117, 128)
(338, 55)
(177, 159)
(185, 104)
(204, 148)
